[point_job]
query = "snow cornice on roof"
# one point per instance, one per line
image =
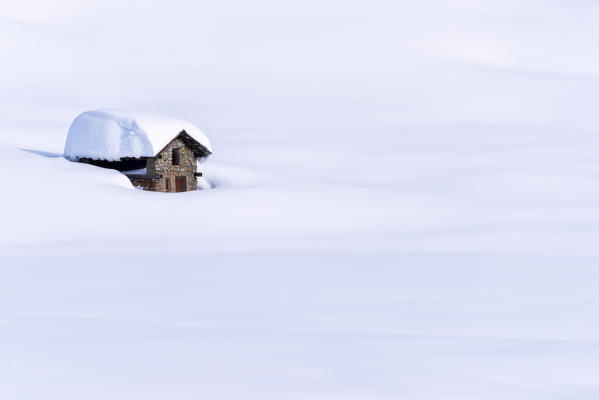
(115, 134)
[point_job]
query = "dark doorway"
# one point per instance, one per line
(180, 184)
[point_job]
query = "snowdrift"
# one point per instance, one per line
(114, 134)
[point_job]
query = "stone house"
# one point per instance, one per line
(172, 169)
(127, 147)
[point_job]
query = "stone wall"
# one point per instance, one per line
(163, 164)
(144, 183)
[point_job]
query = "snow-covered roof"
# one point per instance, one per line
(113, 134)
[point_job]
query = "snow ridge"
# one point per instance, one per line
(112, 134)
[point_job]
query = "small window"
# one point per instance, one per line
(167, 182)
(176, 157)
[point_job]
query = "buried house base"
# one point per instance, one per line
(172, 169)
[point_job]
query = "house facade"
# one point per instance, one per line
(172, 169)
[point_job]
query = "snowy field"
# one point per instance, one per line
(405, 202)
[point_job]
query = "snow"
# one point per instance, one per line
(404, 203)
(114, 134)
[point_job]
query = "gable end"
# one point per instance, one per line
(199, 150)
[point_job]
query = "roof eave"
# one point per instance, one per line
(199, 150)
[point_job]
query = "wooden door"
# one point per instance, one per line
(180, 184)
